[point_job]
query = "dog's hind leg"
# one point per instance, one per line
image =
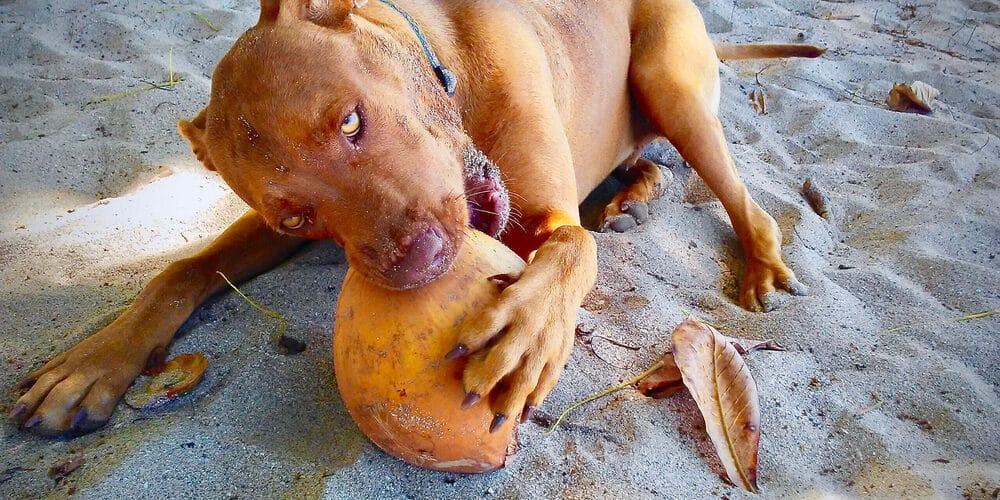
(630, 207)
(674, 76)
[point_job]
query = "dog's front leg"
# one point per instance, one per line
(78, 390)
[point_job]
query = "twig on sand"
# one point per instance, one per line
(868, 408)
(978, 315)
(205, 20)
(984, 314)
(605, 392)
(172, 81)
(281, 319)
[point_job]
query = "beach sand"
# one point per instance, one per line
(881, 393)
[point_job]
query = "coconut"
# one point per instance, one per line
(389, 348)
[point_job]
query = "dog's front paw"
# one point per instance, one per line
(77, 390)
(763, 280)
(516, 350)
(517, 347)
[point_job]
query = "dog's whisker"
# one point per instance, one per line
(484, 211)
(477, 193)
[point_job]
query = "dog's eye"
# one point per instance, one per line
(351, 125)
(293, 222)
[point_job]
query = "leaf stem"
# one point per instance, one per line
(603, 393)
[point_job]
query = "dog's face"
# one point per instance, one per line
(330, 127)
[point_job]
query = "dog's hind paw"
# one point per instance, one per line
(629, 215)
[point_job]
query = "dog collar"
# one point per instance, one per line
(446, 77)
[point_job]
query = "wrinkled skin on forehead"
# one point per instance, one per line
(398, 184)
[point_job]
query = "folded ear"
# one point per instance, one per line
(329, 13)
(194, 132)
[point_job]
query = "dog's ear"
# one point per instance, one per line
(194, 132)
(329, 13)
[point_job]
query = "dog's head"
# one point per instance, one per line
(333, 126)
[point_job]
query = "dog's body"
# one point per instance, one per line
(329, 120)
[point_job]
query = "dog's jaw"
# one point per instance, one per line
(485, 194)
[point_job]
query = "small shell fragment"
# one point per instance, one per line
(174, 378)
(917, 95)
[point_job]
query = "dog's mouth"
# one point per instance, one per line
(485, 194)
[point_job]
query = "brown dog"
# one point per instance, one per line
(332, 119)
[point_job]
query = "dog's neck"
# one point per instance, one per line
(446, 77)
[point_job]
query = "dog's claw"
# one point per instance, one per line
(459, 351)
(795, 287)
(470, 399)
(529, 410)
(498, 421)
(19, 412)
(33, 421)
(79, 420)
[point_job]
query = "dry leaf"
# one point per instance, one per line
(758, 101)
(714, 372)
(916, 95)
(817, 200)
(665, 381)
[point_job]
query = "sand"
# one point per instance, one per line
(880, 394)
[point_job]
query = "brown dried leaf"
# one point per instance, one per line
(714, 372)
(665, 381)
(918, 95)
(817, 200)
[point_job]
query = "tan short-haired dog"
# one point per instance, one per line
(388, 127)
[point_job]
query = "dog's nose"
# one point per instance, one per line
(420, 258)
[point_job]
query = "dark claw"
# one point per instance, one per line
(498, 421)
(79, 419)
(19, 412)
(459, 351)
(795, 287)
(526, 414)
(33, 421)
(470, 399)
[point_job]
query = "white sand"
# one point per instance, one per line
(913, 240)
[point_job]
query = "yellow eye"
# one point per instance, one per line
(351, 125)
(293, 222)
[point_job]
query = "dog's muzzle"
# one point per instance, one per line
(485, 194)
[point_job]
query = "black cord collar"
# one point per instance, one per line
(446, 77)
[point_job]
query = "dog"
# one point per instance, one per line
(389, 127)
